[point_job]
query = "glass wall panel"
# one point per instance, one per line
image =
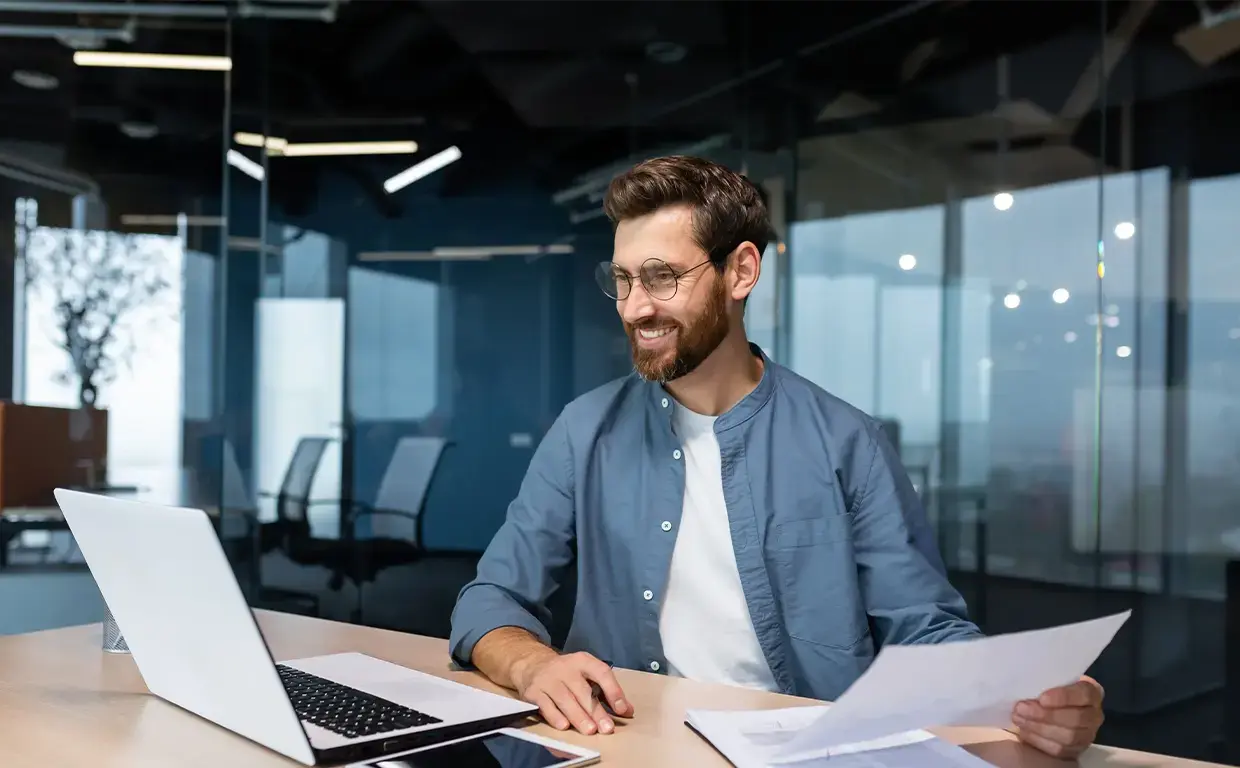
(112, 178)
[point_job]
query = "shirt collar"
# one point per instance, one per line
(746, 407)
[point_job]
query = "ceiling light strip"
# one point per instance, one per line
(246, 165)
(151, 61)
(422, 169)
(335, 148)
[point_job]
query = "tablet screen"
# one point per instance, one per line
(496, 750)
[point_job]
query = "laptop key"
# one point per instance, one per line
(344, 710)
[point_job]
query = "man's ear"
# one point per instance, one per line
(746, 266)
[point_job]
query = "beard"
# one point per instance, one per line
(694, 342)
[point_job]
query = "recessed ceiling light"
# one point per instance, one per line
(1125, 230)
(665, 52)
(1060, 295)
(908, 261)
(1124, 351)
(139, 129)
(39, 81)
(1012, 300)
(1003, 201)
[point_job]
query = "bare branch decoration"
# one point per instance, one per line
(94, 282)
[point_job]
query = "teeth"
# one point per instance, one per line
(654, 334)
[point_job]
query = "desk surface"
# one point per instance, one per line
(63, 701)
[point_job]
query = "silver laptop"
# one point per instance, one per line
(172, 591)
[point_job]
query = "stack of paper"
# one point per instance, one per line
(878, 721)
(759, 738)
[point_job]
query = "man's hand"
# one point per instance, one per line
(1062, 722)
(563, 688)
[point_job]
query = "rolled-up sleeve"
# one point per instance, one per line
(525, 560)
(901, 573)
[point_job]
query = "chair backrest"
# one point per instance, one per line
(404, 486)
(293, 500)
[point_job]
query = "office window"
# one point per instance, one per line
(144, 398)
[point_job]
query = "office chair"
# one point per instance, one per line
(398, 507)
(290, 531)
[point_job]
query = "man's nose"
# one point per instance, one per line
(638, 306)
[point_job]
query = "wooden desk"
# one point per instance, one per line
(64, 702)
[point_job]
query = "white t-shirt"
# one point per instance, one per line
(704, 621)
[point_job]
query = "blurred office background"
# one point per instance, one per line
(1009, 230)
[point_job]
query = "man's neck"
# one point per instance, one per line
(722, 380)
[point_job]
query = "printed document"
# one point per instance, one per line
(754, 739)
(908, 688)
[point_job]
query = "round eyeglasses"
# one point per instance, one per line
(656, 275)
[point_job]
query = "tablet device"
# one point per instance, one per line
(504, 748)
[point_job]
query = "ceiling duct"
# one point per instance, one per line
(55, 179)
(78, 38)
(595, 181)
(200, 9)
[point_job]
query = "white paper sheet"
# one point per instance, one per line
(971, 682)
(754, 739)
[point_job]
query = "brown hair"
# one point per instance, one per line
(728, 209)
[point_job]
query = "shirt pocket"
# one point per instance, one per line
(814, 575)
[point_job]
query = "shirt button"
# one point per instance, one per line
(647, 595)
(654, 666)
(667, 526)
(665, 402)
(676, 454)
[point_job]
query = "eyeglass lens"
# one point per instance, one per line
(657, 278)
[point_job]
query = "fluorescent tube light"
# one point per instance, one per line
(273, 143)
(245, 165)
(424, 168)
(325, 149)
(151, 61)
(170, 220)
(435, 255)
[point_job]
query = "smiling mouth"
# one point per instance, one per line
(654, 333)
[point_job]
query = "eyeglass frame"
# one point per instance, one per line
(628, 279)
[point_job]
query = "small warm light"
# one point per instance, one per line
(1102, 270)
(1060, 295)
(1003, 201)
(1070, 336)
(1124, 351)
(1125, 230)
(908, 261)
(1012, 300)
(781, 248)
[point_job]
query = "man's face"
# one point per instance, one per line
(670, 337)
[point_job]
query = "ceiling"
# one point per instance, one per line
(546, 91)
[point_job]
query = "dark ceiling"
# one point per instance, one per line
(548, 90)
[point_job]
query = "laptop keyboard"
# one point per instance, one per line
(344, 710)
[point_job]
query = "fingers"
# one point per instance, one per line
(1058, 731)
(1085, 693)
(569, 705)
(1048, 745)
(603, 675)
(1076, 718)
(550, 712)
(584, 694)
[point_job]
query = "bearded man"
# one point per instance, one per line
(729, 521)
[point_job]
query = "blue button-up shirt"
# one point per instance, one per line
(835, 554)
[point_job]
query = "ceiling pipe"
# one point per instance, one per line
(123, 34)
(195, 10)
(47, 177)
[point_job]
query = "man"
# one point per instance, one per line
(729, 521)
